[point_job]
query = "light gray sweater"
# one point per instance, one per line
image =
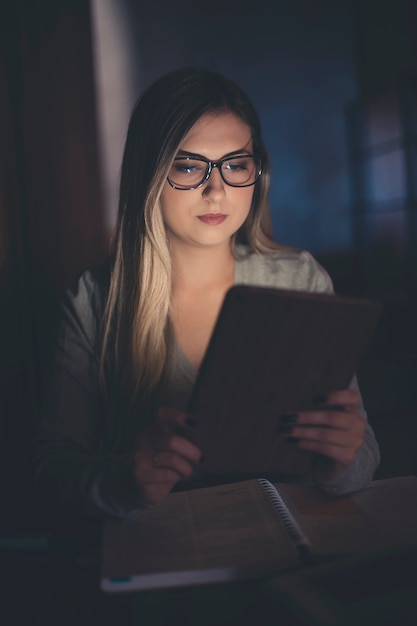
(72, 467)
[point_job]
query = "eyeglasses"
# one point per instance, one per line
(193, 172)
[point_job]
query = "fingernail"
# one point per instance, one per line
(284, 429)
(202, 459)
(320, 398)
(288, 418)
(191, 422)
(293, 440)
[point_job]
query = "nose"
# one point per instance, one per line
(214, 189)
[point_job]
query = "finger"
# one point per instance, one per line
(330, 419)
(149, 455)
(158, 467)
(174, 419)
(148, 468)
(337, 444)
(343, 397)
(329, 436)
(155, 493)
(157, 475)
(182, 446)
(157, 472)
(146, 473)
(174, 462)
(343, 455)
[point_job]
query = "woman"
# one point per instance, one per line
(193, 220)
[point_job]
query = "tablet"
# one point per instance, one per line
(271, 352)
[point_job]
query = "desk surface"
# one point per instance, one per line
(60, 585)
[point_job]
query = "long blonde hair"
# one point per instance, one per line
(137, 327)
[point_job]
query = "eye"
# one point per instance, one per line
(183, 168)
(187, 167)
(237, 165)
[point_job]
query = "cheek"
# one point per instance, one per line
(170, 203)
(246, 201)
(166, 199)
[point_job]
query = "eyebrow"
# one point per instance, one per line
(184, 153)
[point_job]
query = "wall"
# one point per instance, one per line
(296, 62)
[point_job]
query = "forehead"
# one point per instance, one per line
(216, 134)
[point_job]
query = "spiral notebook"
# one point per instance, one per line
(255, 529)
(210, 535)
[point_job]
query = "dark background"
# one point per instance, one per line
(334, 82)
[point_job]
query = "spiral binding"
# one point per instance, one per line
(285, 516)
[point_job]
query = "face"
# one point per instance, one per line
(211, 214)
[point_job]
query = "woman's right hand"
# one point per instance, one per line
(163, 456)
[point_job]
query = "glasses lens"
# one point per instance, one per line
(186, 172)
(241, 170)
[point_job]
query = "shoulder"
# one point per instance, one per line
(284, 268)
(82, 305)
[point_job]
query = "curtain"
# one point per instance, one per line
(51, 215)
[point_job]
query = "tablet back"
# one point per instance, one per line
(271, 352)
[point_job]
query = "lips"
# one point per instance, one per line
(212, 219)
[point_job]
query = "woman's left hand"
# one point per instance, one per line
(335, 431)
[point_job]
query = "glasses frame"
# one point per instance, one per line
(219, 165)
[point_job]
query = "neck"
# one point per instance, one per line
(202, 268)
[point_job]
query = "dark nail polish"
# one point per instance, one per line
(284, 429)
(320, 398)
(191, 422)
(202, 459)
(288, 418)
(293, 440)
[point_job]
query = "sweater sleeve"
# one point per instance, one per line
(361, 471)
(71, 469)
